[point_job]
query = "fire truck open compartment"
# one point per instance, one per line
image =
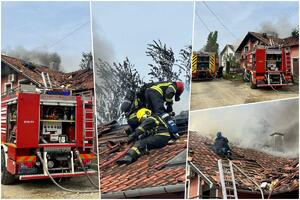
(57, 124)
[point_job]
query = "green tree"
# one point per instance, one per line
(295, 32)
(211, 44)
(86, 61)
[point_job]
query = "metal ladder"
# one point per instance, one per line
(227, 179)
(46, 80)
(88, 125)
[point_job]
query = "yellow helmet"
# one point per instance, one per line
(142, 112)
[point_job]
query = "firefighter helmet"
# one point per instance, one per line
(142, 112)
(180, 87)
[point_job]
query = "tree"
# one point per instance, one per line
(163, 57)
(184, 62)
(86, 61)
(112, 84)
(230, 62)
(211, 44)
(295, 32)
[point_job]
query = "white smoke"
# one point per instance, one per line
(250, 126)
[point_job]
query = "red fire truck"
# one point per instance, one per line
(268, 67)
(45, 133)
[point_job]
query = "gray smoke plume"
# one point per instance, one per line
(51, 60)
(280, 28)
(102, 48)
(250, 126)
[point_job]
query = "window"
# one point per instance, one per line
(246, 49)
(8, 88)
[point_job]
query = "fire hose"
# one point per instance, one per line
(61, 187)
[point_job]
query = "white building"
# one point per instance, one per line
(225, 54)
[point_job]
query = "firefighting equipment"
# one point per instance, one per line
(143, 112)
(180, 87)
(151, 134)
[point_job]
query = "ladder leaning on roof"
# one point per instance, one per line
(227, 179)
(46, 80)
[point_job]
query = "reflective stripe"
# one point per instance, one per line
(136, 150)
(136, 103)
(163, 134)
(26, 159)
(132, 115)
(165, 115)
(163, 122)
(158, 89)
(169, 100)
(141, 128)
(172, 86)
(156, 121)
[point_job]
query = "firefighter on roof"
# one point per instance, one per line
(159, 98)
(221, 146)
(152, 133)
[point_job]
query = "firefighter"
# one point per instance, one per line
(221, 146)
(159, 98)
(153, 133)
(129, 107)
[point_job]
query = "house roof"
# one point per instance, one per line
(291, 41)
(259, 166)
(149, 171)
(77, 80)
(227, 46)
(262, 37)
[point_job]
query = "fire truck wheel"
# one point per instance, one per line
(6, 177)
(252, 85)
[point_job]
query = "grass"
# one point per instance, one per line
(233, 77)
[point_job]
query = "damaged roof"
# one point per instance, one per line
(268, 40)
(77, 80)
(280, 172)
(158, 169)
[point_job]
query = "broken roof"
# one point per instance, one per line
(267, 40)
(158, 171)
(77, 80)
(257, 165)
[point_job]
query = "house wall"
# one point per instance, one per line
(243, 62)
(224, 57)
(294, 56)
(194, 187)
(4, 81)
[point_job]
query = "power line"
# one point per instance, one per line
(202, 21)
(219, 19)
(67, 35)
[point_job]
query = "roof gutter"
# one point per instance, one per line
(16, 69)
(144, 192)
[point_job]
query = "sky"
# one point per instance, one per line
(251, 125)
(242, 17)
(125, 28)
(48, 26)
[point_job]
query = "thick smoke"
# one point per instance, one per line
(51, 60)
(250, 126)
(280, 28)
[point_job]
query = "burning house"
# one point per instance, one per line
(256, 174)
(16, 72)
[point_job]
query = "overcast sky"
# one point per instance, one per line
(241, 17)
(125, 28)
(40, 25)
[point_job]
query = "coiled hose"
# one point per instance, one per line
(61, 187)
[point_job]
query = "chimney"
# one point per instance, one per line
(278, 141)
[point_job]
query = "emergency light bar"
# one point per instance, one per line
(64, 93)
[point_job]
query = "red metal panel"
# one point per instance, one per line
(260, 60)
(3, 121)
(11, 152)
(28, 121)
(11, 166)
(283, 63)
(79, 122)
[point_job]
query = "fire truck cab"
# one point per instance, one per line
(204, 65)
(54, 124)
(268, 67)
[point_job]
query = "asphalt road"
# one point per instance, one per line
(41, 189)
(216, 93)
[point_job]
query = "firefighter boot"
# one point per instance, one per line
(129, 158)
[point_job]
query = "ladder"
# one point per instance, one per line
(288, 60)
(46, 80)
(88, 124)
(227, 179)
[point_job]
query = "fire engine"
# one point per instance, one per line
(204, 65)
(268, 67)
(45, 133)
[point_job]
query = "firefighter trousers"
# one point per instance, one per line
(142, 146)
(155, 101)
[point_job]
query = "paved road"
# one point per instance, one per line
(215, 93)
(40, 189)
